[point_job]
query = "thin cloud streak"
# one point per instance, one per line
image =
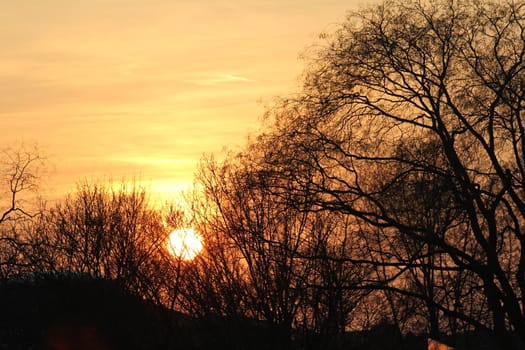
(224, 78)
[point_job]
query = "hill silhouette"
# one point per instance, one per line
(75, 311)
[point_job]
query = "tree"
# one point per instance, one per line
(106, 231)
(20, 171)
(259, 257)
(266, 237)
(394, 79)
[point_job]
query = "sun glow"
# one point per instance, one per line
(184, 243)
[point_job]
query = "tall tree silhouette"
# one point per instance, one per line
(393, 79)
(20, 171)
(258, 261)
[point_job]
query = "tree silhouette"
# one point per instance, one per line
(258, 260)
(410, 120)
(20, 171)
(107, 231)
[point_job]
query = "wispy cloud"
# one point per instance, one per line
(220, 78)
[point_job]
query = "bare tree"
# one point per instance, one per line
(417, 73)
(107, 231)
(266, 237)
(20, 171)
(268, 260)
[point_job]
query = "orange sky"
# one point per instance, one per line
(142, 88)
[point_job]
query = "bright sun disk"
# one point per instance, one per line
(184, 243)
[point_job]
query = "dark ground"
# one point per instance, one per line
(71, 311)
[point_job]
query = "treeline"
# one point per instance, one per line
(389, 190)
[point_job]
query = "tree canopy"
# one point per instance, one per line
(410, 121)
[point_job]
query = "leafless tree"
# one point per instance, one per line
(268, 260)
(20, 171)
(107, 230)
(392, 80)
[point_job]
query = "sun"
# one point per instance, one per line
(184, 243)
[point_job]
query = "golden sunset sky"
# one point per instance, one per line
(143, 88)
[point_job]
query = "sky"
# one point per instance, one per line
(142, 89)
